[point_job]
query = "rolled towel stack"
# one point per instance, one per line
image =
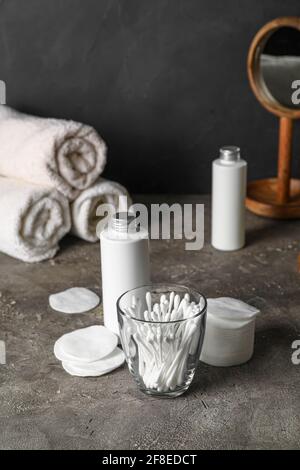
(49, 169)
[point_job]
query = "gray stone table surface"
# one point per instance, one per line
(253, 406)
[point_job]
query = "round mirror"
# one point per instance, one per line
(279, 65)
(274, 66)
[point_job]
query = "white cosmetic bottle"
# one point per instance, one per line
(124, 263)
(228, 200)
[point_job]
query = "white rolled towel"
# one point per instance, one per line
(33, 219)
(83, 209)
(64, 155)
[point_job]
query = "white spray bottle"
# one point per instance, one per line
(228, 200)
(124, 263)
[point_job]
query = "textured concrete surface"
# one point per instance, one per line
(253, 406)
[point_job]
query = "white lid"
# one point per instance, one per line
(230, 313)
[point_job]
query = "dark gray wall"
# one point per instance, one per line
(164, 82)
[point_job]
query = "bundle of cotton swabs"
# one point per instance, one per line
(163, 342)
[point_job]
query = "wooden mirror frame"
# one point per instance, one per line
(274, 197)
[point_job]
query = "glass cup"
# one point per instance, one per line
(162, 330)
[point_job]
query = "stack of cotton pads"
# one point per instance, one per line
(89, 352)
(229, 334)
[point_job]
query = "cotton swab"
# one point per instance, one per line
(149, 301)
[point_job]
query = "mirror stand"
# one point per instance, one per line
(275, 197)
(284, 159)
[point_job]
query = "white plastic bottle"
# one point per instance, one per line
(124, 263)
(228, 200)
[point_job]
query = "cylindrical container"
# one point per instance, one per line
(229, 179)
(162, 351)
(124, 263)
(230, 332)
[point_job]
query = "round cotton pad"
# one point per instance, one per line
(86, 345)
(95, 369)
(74, 300)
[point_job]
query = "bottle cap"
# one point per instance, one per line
(123, 222)
(230, 153)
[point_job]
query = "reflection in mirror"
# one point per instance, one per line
(280, 66)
